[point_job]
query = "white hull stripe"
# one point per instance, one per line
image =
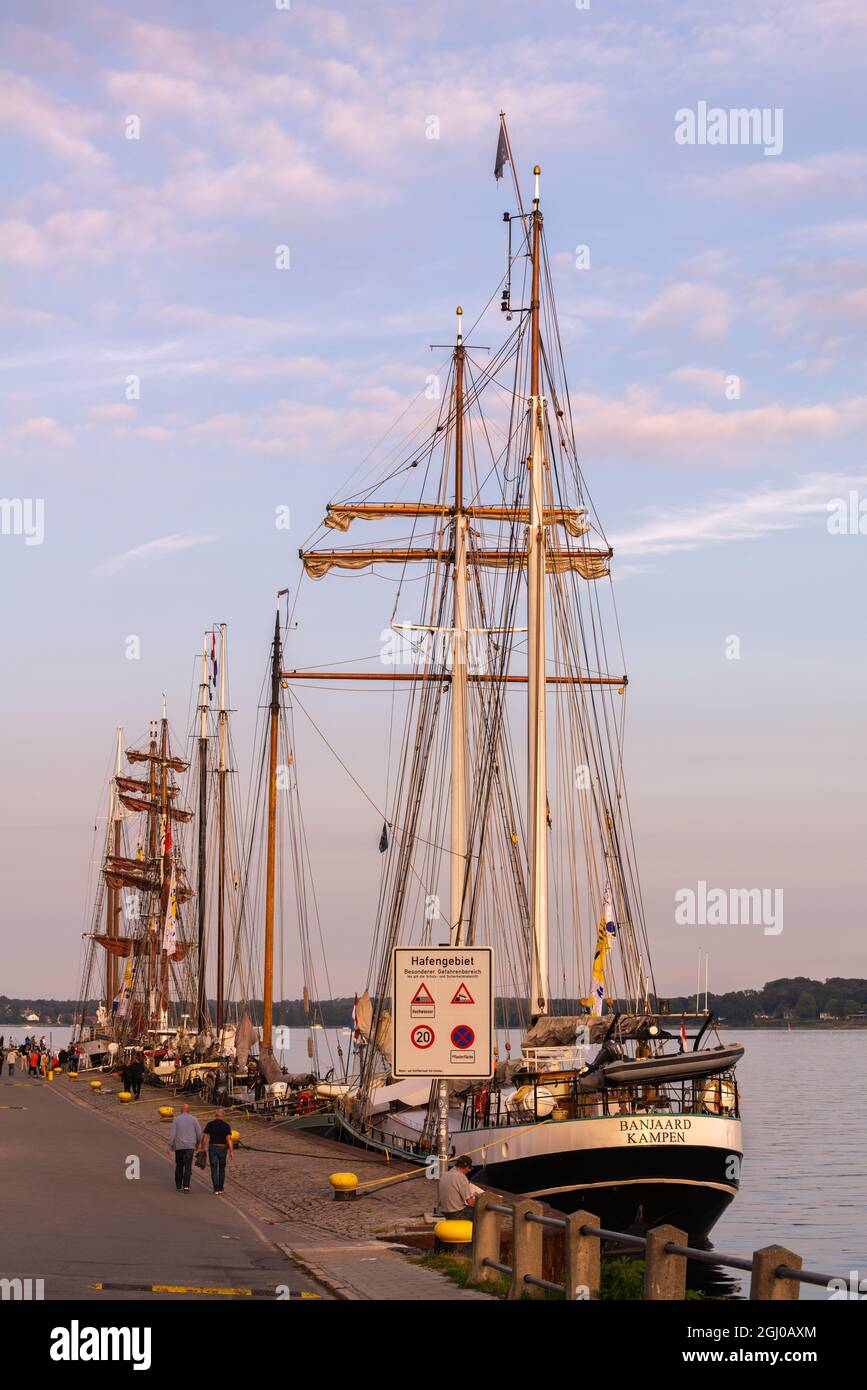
(632, 1182)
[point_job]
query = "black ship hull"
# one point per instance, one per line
(629, 1191)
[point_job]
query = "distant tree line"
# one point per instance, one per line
(800, 999)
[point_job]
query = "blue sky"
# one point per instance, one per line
(306, 127)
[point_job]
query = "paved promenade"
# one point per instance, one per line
(73, 1218)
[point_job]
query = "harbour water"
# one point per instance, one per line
(805, 1136)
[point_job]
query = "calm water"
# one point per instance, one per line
(804, 1180)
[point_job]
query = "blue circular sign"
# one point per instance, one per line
(463, 1036)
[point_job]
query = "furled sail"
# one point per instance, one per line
(122, 946)
(340, 518)
(589, 564)
(139, 803)
(136, 755)
(245, 1036)
(137, 784)
(364, 1025)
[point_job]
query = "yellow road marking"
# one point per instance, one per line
(200, 1289)
(193, 1288)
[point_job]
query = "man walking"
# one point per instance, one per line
(136, 1076)
(185, 1136)
(11, 1059)
(219, 1137)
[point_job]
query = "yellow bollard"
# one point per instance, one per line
(167, 1112)
(345, 1186)
(124, 1096)
(454, 1235)
(96, 1085)
(73, 1075)
(51, 1076)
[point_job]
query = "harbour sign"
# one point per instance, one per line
(443, 1012)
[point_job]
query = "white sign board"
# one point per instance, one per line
(443, 1012)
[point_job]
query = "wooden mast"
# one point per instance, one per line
(113, 900)
(458, 856)
(268, 984)
(459, 667)
(536, 667)
(153, 855)
(202, 874)
(165, 863)
(222, 769)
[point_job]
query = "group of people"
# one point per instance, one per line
(187, 1138)
(31, 1058)
(132, 1075)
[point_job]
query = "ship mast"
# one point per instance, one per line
(153, 853)
(165, 864)
(536, 668)
(458, 857)
(268, 985)
(222, 769)
(113, 898)
(202, 885)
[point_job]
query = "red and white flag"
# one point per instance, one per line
(170, 934)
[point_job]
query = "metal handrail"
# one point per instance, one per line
(689, 1252)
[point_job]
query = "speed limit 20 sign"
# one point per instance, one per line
(442, 1015)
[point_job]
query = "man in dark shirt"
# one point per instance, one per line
(136, 1076)
(219, 1139)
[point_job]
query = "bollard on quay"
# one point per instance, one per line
(345, 1186)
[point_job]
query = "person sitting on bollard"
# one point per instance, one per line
(456, 1194)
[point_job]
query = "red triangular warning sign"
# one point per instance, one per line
(422, 995)
(463, 996)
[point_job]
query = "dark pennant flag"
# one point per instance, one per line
(502, 154)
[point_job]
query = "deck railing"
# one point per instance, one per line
(775, 1272)
(485, 1107)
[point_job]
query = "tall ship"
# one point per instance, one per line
(170, 956)
(140, 958)
(507, 822)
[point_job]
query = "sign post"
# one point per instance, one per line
(443, 1012)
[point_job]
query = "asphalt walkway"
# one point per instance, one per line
(71, 1216)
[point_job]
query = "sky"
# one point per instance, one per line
(166, 389)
